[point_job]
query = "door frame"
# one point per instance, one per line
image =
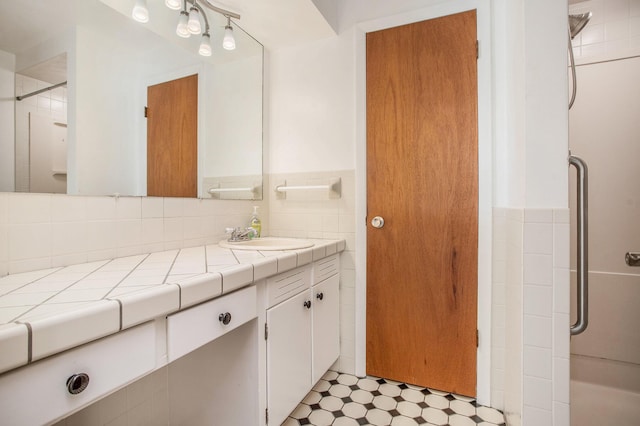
(485, 178)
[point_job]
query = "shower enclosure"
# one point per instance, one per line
(604, 129)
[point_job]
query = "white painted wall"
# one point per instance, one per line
(509, 96)
(312, 106)
(546, 103)
(233, 145)
(7, 135)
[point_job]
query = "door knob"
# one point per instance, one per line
(377, 222)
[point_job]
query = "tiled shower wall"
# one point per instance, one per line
(612, 32)
(40, 231)
(51, 103)
(530, 354)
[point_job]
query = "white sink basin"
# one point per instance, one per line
(267, 243)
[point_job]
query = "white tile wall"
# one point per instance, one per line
(612, 33)
(40, 231)
(53, 103)
(530, 349)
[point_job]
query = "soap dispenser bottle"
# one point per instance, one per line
(255, 222)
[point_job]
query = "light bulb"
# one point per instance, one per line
(140, 12)
(194, 21)
(228, 42)
(173, 4)
(182, 29)
(205, 45)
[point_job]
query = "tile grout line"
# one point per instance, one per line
(105, 297)
(58, 292)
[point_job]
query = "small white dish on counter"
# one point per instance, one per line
(267, 243)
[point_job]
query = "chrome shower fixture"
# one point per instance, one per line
(577, 23)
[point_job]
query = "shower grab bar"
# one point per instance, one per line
(582, 317)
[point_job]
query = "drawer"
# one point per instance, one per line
(288, 284)
(195, 327)
(324, 268)
(37, 393)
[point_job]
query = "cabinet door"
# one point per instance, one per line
(326, 325)
(288, 356)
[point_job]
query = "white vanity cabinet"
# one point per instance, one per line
(303, 335)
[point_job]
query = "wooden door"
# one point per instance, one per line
(422, 179)
(172, 138)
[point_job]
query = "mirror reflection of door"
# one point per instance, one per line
(172, 133)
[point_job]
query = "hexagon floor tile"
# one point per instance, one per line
(342, 399)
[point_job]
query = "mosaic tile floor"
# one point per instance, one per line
(345, 400)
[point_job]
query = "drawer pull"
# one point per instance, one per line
(225, 318)
(307, 304)
(77, 383)
(320, 296)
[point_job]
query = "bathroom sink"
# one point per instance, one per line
(267, 243)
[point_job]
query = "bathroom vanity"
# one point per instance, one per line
(262, 326)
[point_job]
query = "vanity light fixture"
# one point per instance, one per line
(193, 25)
(173, 4)
(205, 45)
(140, 12)
(228, 42)
(191, 21)
(182, 29)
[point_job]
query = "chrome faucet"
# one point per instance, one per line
(239, 234)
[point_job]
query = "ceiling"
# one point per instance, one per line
(274, 23)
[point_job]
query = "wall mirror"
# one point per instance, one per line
(92, 129)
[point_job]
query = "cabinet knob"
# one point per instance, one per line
(225, 318)
(307, 304)
(320, 296)
(77, 383)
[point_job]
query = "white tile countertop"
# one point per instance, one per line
(49, 311)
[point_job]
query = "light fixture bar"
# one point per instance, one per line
(189, 21)
(221, 11)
